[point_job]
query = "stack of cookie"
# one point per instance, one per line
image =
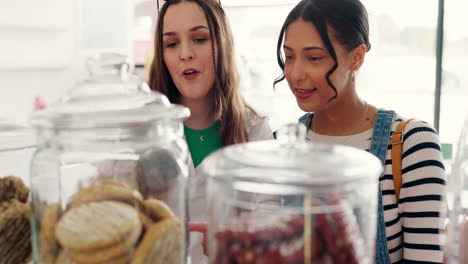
(15, 230)
(109, 223)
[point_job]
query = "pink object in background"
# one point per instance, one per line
(39, 103)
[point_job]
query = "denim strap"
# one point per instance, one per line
(380, 138)
(306, 119)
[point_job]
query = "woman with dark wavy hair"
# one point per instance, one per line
(324, 43)
(194, 66)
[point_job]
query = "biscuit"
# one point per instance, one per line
(18, 250)
(49, 246)
(117, 251)
(15, 232)
(14, 217)
(96, 225)
(145, 220)
(64, 258)
(163, 243)
(109, 190)
(157, 210)
(12, 187)
(158, 172)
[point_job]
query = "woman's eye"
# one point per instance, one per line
(288, 57)
(171, 45)
(314, 58)
(200, 40)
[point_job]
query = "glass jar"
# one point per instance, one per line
(17, 144)
(108, 179)
(291, 201)
(458, 221)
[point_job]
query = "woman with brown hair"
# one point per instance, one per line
(194, 66)
(321, 46)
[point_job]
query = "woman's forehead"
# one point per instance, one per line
(183, 16)
(303, 33)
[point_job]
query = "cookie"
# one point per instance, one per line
(15, 232)
(49, 246)
(117, 251)
(12, 187)
(14, 224)
(145, 220)
(109, 190)
(19, 251)
(157, 210)
(14, 216)
(163, 243)
(96, 225)
(64, 258)
(158, 172)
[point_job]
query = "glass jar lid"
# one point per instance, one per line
(291, 160)
(111, 97)
(13, 136)
(109, 73)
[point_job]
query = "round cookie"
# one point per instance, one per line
(109, 190)
(15, 231)
(157, 210)
(113, 252)
(12, 187)
(64, 258)
(163, 243)
(96, 225)
(145, 220)
(49, 246)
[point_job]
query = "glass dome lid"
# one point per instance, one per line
(109, 73)
(109, 99)
(291, 160)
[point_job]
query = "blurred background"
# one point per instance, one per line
(43, 45)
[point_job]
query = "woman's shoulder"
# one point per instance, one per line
(412, 123)
(416, 129)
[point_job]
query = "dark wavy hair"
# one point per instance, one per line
(230, 108)
(347, 19)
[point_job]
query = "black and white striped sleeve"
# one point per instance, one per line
(422, 204)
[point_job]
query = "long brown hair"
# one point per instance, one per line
(230, 108)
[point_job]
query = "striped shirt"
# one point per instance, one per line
(415, 225)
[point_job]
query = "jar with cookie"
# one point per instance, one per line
(17, 145)
(291, 201)
(108, 179)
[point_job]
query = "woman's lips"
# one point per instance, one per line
(303, 93)
(190, 74)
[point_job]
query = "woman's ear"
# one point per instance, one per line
(358, 55)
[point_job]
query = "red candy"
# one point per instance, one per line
(275, 237)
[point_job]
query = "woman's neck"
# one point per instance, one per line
(344, 117)
(202, 114)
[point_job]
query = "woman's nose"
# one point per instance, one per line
(296, 73)
(186, 53)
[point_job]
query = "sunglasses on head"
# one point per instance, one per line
(157, 2)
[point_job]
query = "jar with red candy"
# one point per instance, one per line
(291, 201)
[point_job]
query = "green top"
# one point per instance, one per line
(202, 142)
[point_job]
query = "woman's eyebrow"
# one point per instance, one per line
(305, 48)
(171, 33)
